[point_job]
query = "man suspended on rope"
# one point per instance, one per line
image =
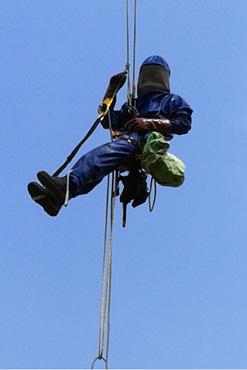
(155, 109)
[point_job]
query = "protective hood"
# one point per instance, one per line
(154, 76)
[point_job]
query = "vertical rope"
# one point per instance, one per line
(109, 277)
(104, 292)
(105, 303)
(128, 53)
(134, 54)
(131, 94)
(102, 303)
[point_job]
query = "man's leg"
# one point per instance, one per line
(92, 167)
(87, 172)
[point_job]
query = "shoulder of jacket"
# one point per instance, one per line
(178, 101)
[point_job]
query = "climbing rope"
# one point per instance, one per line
(103, 288)
(106, 281)
(131, 94)
(134, 54)
(105, 304)
(128, 54)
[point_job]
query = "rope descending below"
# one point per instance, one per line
(105, 303)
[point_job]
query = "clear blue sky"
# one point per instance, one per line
(179, 274)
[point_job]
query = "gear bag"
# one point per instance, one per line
(166, 168)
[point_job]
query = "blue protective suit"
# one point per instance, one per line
(93, 166)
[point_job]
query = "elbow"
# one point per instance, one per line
(180, 128)
(185, 129)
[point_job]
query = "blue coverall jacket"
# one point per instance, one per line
(93, 166)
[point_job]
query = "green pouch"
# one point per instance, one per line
(166, 168)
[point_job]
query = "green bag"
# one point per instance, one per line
(166, 168)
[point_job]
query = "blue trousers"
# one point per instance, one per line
(93, 166)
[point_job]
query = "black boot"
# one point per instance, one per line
(44, 198)
(56, 185)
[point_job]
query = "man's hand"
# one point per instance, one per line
(144, 125)
(138, 124)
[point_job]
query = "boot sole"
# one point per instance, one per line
(41, 196)
(47, 181)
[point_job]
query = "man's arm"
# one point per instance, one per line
(180, 115)
(181, 123)
(177, 121)
(141, 124)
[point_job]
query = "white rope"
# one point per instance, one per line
(128, 53)
(105, 303)
(66, 201)
(131, 94)
(103, 300)
(134, 54)
(109, 272)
